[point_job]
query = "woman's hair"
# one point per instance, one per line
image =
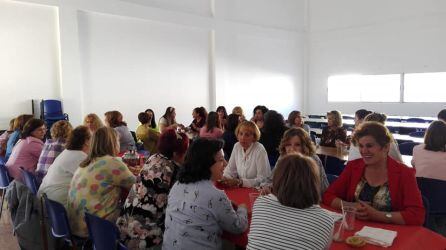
(308, 148)
(374, 129)
(435, 137)
(376, 117)
(114, 119)
(31, 125)
(362, 113)
(153, 122)
(212, 121)
(223, 109)
(442, 115)
(11, 125)
(292, 117)
(168, 115)
(104, 142)
(97, 123)
(251, 126)
(238, 111)
(201, 112)
(143, 118)
(273, 123)
(61, 130)
(337, 118)
(199, 159)
(232, 122)
(21, 120)
(261, 108)
(77, 138)
(296, 181)
(171, 142)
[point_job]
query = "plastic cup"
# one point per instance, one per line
(338, 231)
(252, 199)
(349, 217)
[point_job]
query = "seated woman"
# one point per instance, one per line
(199, 115)
(290, 217)
(57, 181)
(14, 137)
(295, 121)
(147, 134)
(229, 135)
(152, 119)
(296, 140)
(272, 132)
(248, 165)
(142, 220)
(27, 151)
(334, 130)
(258, 115)
(197, 212)
(394, 151)
(239, 111)
(383, 189)
(168, 119)
(99, 182)
(5, 136)
(92, 122)
(114, 120)
(53, 147)
(222, 116)
(212, 128)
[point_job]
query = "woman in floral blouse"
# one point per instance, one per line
(142, 219)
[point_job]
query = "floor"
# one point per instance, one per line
(7, 240)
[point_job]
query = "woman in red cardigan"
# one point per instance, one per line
(383, 189)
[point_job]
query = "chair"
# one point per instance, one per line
(417, 120)
(2, 160)
(406, 130)
(419, 134)
(393, 119)
(29, 180)
(4, 183)
(313, 136)
(316, 116)
(331, 178)
(103, 233)
(426, 205)
(51, 112)
(406, 148)
(433, 191)
(394, 130)
(334, 165)
(348, 117)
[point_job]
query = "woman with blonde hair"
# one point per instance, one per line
(239, 111)
(334, 130)
(114, 120)
(93, 122)
(99, 182)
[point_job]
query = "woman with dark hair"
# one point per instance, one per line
(198, 212)
(152, 119)
(257, 115)
(142, 220)
(290, 217)
(222, 116)
(114, 120)
(272, 132)
(146, 134)
(27, 151)
(229, 135)
(98, 183)
(212, 128)
(56, 182)
(381, 188)
(19, 123)
(199, 114)
(168, 120)
(295, 121)
(334, 130)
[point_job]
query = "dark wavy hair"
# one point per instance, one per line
(273, 123)
(171, 142)
(114, 118)
(262, 108)
(31, 125)
(201, 112)
(232, 122)
(199, 159)
(153, 122)
(212, 121)
(77, 138)
(222, 108)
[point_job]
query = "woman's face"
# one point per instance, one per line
(371, 151)
(218, 167)
(221, 114)
(358, 121)
(39, 132)
(245, 137)
(194, 114)
(89, 122)
(330, 120)
(150, 114)
(294, 145)
(258, 115)
(298, 120)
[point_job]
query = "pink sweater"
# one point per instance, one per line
(25, 154)
(214, 134)
(429, 164)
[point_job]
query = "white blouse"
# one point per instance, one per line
(251, 166)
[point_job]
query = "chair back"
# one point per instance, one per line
(57, 215)
(316, 116)
(391, 119)
(29, 180)
(406, 148)
(419, 134)
(103, 233)
(417, 120)
(331, 178)
(4, 177)
(334, 165)
(433, 190)
(426, 205)
(52, 108)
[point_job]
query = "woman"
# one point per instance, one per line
(257, 115)
(222, 116)
(57, 181)
(334, 130)
(272, 132)
(239, 111)
(429, 159)
(142, 221)
(99, 182)
(248, 165)
(27, 151)
(152, 119)
(92, 122)
(382, 189)
(114, 120)
(394, 152)
(229, 135)
(146, 133)
(198, 212)
(19, 123)
(168, 120)
(295, 121)
(291, 217)
(53, 147)
(5, 136)
(212, 127)
(199, 115)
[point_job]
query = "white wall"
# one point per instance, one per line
(375, 37)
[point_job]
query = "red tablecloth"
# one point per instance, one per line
(409, 237)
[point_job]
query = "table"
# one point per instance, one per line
(388, 124)
(318, 131)
(409, 237)
(334, 152)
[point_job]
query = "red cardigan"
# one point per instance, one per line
(405, 197)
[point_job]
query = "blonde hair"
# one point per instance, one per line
(308, 148)
(104, 142)
(337, 118)
(61, 130)
(97, 123)
(251, 126)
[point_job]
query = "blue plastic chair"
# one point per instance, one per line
(427, 206)
(4, 183)
(331, 178)
(103, 233)
(417, 120)
(2, 160)
(406, 148)
(419, 134)
(29, 181)
(433, 191)
(52, 110)
(334, 165)
(394, 119)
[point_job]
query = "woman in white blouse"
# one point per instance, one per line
(248, 165)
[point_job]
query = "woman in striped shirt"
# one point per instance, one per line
(284, 220)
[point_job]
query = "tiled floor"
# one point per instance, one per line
(7, 240)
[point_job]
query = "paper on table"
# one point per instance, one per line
(377, 236)
(336, 216)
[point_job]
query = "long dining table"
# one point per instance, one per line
(408, 237)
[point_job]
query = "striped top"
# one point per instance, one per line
(275, 226)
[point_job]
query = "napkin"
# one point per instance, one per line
(377, 236)
(334, 215)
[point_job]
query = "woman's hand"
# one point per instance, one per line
(265, 190)
(366, 212)
(231, 182)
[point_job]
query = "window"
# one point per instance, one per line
(425, 87)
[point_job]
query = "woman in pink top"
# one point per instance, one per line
(212, 128)
(27, 151)
(429, 159)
